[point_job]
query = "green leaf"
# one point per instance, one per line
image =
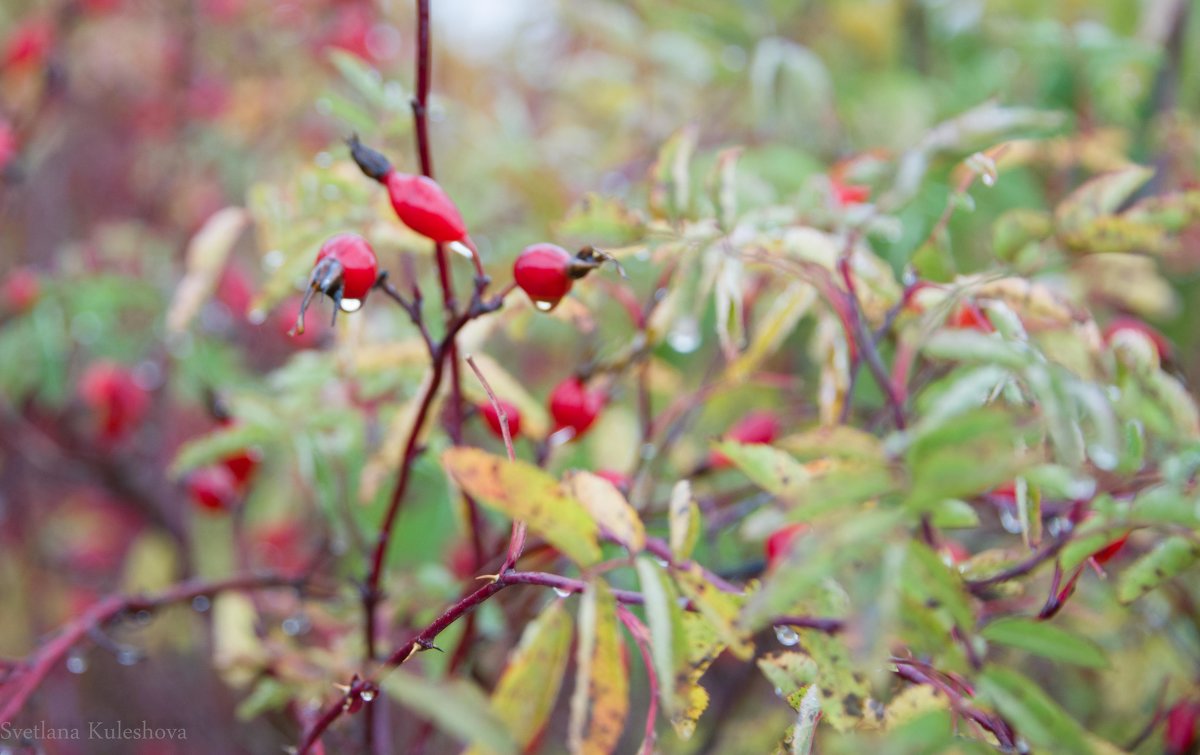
(771, 469)
(684, 521)
(839, 441)
(953, 514)
(1169, 558)
(935, 586)
(789, 306)
(457, 707)
(959, 345)
(525, 695)
(1032, 712)
(668, 641)
(600, 703)
(722, 186)
(1047, 640)
(523, 492)
(670, 189)
(362, 77)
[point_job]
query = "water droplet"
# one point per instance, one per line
(256, 316)
(562, 593)
(648, 451)
(296, 625)
(76, 663)
(323, 160)
(351, 305)
(1058, 526)
(787, 636)
(542, 305)
(661, 562)
(127, 656)
(201, 603)
(1009, 521)
(460, 248)
(272, 260)
(779, 692)
(989, 179)
(685, 336)
(331, 193)
(142, 618)
(367, 695)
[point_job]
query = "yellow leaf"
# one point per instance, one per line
(237, 650)
(773, 330)
(609, 508)
(602, 681)
(522, 491)
(721, 609)
(524, 697)
(685, 521)
(206, 255)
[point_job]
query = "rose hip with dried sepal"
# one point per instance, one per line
(346, 270)
(419, 201)
(546, 272)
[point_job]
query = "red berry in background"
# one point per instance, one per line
(620, 481)
(492, 417)
(1120, 325)
(20, 290)
(543, 273)
(755, 428)
(345, 271)
(849, 194)
(968, 316)
(115, 398)
(779, 542)
(29, 44)
(213, 488)
(573, 405)
(1180, 735)
(422, 205)
(953, 552)
(8, 144)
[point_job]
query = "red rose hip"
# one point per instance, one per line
(115, 398)
(213, 489)
(492, 418)
(779, 543)
(543, 273)
(573, 405)
(346, 270)
(756, 428)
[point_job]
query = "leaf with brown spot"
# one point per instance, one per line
(721, 609)
(600, 703)
(684, 520)
(522, 491)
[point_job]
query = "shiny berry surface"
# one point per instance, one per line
(573, 405)
(360, 268)
(492, 418)
(422, 205)
(541, 271)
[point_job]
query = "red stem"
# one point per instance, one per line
(31, 673)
